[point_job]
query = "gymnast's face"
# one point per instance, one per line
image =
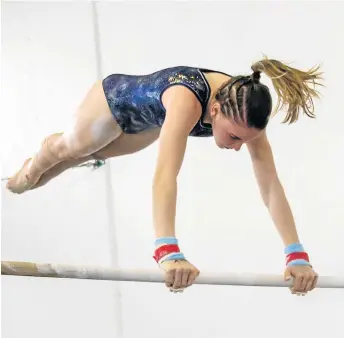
(229, 134)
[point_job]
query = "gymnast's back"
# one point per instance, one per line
(135, 100)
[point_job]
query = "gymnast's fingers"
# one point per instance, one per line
(314, 283)
(192, 277)
(185, 278)
(169, 277)
(177, 278)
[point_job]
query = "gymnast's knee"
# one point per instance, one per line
(75, 150)
(58, 147)
(64, 148)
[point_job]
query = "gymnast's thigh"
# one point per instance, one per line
(128, 144)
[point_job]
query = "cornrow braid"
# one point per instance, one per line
(227, 96)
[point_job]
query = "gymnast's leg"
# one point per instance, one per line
(92, 128)
(123, 145)
(58, 169)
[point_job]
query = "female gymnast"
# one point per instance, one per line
(123, 114)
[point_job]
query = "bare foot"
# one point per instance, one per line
(21, 181)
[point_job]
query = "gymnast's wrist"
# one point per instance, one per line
(167, 249)
(296, 255)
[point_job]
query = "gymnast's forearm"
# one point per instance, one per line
(164, 207)
(281, 213)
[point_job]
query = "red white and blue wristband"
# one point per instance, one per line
(167, 249)
(296, 255)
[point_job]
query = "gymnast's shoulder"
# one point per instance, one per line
(180, 99)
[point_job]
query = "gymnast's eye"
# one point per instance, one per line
(233, 137)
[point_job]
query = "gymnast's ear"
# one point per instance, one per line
(215, 109)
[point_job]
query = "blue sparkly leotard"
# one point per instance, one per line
(135, 100)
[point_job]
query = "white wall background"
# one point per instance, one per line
(104, 217)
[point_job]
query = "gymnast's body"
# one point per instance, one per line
(123, 114)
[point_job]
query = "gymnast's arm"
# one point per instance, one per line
(271, 189)
(182, 113)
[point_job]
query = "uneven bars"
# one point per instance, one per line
(151, 276)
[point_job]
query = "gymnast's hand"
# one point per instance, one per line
(304, 279)
(179, 274)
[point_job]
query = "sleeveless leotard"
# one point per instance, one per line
(135, 100)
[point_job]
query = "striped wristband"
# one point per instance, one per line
(167, 249)
(296, 255)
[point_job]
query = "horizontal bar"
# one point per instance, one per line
(151, 276)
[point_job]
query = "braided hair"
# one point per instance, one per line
(245, 99)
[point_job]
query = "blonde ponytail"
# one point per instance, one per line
(292, 87)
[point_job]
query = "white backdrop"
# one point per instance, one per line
(104, 217)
